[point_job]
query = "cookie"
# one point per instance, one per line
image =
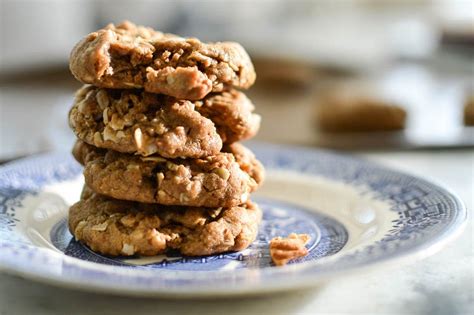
(116, 227)
(134, 121)
(130, 56)
(215, 181)
(358, 114)
(469, 111)
(232, 113)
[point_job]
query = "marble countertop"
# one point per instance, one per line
(441, 284)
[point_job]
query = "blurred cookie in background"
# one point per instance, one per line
(284, 75)
(469, 111)
(279, 75)
(459, 35)
(354, 109)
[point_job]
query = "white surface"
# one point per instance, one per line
(441, 284)
(43, 110)
(38, 33)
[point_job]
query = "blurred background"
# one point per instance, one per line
(415, 56)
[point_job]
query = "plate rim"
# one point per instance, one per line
(416, 253)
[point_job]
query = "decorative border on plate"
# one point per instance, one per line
(428, 215)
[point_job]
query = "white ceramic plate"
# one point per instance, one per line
(358, 214)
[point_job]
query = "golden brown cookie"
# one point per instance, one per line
(134, 121)
(225, 179)
(115, 227)
(358, 113)
(232, 113)
(357, 106)
(130, 56)
(469, 111)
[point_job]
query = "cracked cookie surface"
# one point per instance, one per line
(115, 227)
(131, 56)
(225, 179)
(133, 121)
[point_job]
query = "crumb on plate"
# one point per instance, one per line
(284, 249)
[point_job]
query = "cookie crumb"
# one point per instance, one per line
(284, 249)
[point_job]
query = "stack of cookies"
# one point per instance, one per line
(158, 123)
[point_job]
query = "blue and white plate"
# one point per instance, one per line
(358, 214)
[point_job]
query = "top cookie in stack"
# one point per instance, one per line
(157, 131)
(129, 56)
